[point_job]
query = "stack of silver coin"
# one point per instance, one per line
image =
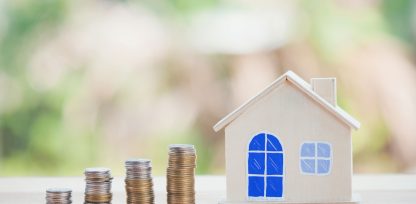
(139, 183)
(98, 185)
(58, 196)
(181, 174)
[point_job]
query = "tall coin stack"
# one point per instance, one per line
(98, 185)
(58, 196)
(139, 183)
(181, 174)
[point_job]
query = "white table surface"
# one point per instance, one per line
(374, 189)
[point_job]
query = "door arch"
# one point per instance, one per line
(265, 168)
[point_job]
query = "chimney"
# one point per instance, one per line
(326, 88)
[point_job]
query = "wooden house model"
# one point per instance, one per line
(291, 143)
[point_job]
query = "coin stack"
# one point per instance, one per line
(58, 196)
(181, 174)
(98, 185)
(139, 183)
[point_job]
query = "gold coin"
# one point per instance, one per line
(98, 185)
(180, 174)
(139, 182)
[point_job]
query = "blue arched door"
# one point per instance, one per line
(265, 167)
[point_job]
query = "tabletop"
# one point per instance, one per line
(380, 189)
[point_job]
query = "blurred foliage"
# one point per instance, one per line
(178, 9)
(37, 137)
(25, 129)
(26, 20)
(399, 16)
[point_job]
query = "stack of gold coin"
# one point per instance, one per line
(139, 184)
(181, 174)
(58, 196)
(98, 185)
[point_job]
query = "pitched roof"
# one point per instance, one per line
(303, 86)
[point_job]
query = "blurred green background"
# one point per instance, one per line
(92, 83)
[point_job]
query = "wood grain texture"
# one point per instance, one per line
(373, 189)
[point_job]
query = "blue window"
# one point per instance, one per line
(315, 158)
(256, 163)
(265, 167)
(274, 186)
(256, 186)
(274, 164)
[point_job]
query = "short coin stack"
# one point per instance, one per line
(98, 185)
(181, 174)
(58, 196)
(139, 183)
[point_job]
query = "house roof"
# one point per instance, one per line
(303, 86)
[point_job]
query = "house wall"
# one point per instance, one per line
(294, 118)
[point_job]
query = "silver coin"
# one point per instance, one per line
(98, 182)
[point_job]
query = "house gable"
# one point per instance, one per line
(304, 87)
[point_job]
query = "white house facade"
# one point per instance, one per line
(289, 144)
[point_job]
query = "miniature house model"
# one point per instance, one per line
(291, 143)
